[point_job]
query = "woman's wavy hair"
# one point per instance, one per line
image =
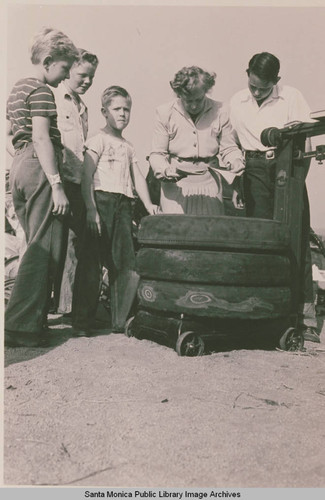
(264, 65)
(190, 77)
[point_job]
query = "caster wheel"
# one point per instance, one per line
(128, 327)
(189, 344)
(291, 340)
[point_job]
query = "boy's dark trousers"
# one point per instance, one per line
(114, 249)
(32, 197)
(75, 221)
(259, 200)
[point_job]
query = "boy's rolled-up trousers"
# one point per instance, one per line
(32, 197)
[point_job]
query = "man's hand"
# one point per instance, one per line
(237, 200)
(153, 209)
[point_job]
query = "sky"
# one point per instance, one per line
(141, 47)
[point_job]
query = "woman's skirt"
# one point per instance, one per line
(193, 195)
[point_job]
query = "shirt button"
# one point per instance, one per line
(194, 145)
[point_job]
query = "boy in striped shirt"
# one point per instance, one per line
(38, 196)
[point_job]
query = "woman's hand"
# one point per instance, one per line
(93, 222)
(237, 166)
(170, 172)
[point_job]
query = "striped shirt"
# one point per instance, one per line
(30, 97)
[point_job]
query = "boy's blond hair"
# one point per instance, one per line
(85, 56)
(113, 91)
(54, 43)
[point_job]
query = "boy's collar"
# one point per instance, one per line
(275, 94)
(70, 93)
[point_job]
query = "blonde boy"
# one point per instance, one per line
(73, 126)
(38, 195)
(111, 175)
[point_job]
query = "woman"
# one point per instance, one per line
(189, 133)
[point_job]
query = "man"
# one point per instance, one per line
(263, 104)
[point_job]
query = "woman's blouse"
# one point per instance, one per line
(176, 133)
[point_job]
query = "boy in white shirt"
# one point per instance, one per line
(111, 173)
(73, 125)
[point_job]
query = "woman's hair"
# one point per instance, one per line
(264, 65)
(188, 78)
(85, 56)
(113, 91)
(54, 43)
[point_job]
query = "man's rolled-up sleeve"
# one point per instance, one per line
(229, 149)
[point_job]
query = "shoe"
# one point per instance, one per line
(81, 332)
(66, 319)
(25, 339)
(311, 335)
(118, 329)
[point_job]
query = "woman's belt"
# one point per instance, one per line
(194, 159)
(209, 163)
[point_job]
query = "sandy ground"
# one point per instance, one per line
(116, 411)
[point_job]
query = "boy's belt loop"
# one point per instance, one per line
(270, 154)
